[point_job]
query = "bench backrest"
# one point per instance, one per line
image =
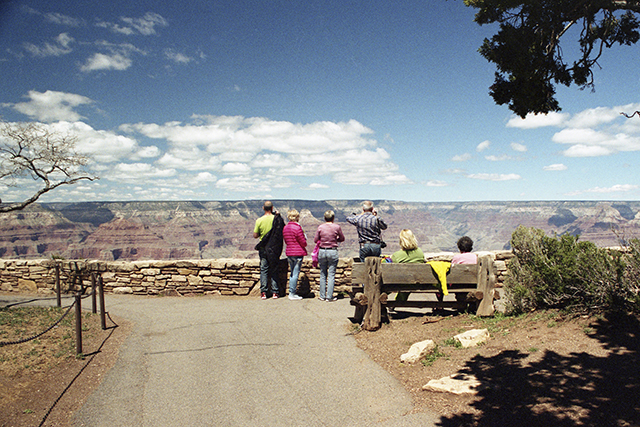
(414, 274)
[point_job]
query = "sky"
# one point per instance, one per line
(314, 99)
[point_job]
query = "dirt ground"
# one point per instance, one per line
(539, 369)
(42, 382)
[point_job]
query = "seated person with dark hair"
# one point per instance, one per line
(465, 245)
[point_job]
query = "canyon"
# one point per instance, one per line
(163, 230)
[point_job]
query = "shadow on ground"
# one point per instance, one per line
(575, 390)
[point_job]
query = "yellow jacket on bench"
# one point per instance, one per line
(440, 269)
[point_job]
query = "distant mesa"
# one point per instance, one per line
(562, 217)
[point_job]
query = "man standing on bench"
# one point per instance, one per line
(369, 227)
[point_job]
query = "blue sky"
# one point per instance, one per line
(237, 99)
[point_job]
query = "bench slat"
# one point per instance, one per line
(419, 288)
(427, 304)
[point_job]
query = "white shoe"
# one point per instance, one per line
(294, 297)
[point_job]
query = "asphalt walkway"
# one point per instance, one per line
(241, 361)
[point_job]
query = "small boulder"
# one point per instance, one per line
(418, 351)
(472, 338)
(456, 384)
(123, 290)
(25, 285)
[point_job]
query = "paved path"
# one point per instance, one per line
(231, 361)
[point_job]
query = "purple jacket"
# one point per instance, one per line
(295, 239)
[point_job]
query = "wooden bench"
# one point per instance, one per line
(472, 284)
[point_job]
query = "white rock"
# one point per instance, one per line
(456, 384)
(473, 337)
(418, 351)
(123, 290)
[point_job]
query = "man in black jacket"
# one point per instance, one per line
(268, 229)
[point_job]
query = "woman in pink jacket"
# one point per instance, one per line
(296, 250)
(328, 236)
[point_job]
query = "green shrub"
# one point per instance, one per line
(562, 272)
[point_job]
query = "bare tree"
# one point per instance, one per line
(48, 157)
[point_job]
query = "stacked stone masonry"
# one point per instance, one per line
(184, 277)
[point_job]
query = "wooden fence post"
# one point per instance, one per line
(78, 295)
(58, 297)
(372, 283)
(486, 283)
(93, 293)
(103, 318)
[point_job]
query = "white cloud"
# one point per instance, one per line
(101, 145)
(62, 46)
(236, 169)
(593, 117)
(534, 121)
(317, 186)
(555, 167)
(461, 157)
(455, 171)
(483, 146)
(137, 172)
(591, 142)
(581, 150)
(593, 132)
(101, 61)
(191, 159)
(145, 26)
(434, 183)
(619, 188)
(177, 56)
(494, 176)
(518, 147)
(244, 184)
(341, 150)
(147, 152)
(204, 178)
(500, 158)
(59, 18)
(117, 57)
(51, 105)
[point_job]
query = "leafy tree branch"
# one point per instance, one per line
(527, 47)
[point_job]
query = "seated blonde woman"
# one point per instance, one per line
(409, 252)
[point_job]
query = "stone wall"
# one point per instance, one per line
(183, 277)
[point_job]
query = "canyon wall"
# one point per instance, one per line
(134, 231)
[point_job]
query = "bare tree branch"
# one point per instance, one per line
(33, 150)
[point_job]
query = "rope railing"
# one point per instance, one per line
(24, 340)
(77, 286)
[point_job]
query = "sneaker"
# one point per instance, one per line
(322, 299)
(294, 297)
(275, 296)
(331, 299)
(263, 295)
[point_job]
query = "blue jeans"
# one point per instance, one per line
(264, 277)
(369, 249)
(328, 262)
(295, 262)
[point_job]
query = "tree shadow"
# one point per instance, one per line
(575, 390)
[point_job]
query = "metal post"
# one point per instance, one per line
(93, 293)
(78, 323)
(58, 298)
(102, 311)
